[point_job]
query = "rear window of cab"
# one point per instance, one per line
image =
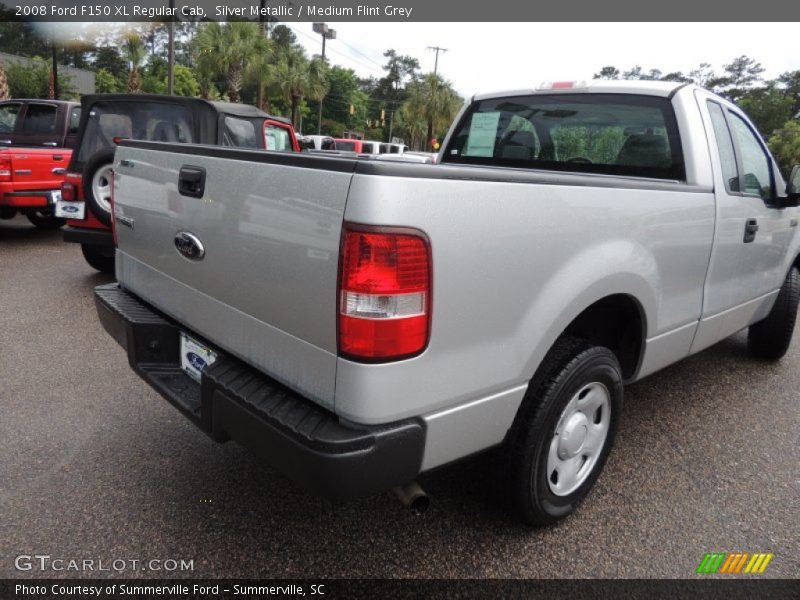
(613, 134)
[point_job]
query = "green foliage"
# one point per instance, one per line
(105, 82)
(109, 59)
(785, 146)
(768, 107)
(184, 81)
(34, 81)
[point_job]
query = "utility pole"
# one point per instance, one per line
(263, 26)
(171, 51)
(437, 49)
(327, 34)
(55, 72)
(391, 124)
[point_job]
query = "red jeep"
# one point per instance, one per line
(108, 118)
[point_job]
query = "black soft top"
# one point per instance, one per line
(208, 106)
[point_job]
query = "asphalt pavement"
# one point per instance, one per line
(94, 465)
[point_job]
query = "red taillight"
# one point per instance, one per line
(68, 192)
(384, 293)
(5, 168)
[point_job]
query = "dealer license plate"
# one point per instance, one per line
(70, 210)
(195, 356)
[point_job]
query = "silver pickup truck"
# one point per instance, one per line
(357, 322)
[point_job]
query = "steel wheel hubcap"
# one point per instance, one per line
(579, 438)
(101, 187)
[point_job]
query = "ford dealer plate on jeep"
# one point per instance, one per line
(195, 357)
(69, 210)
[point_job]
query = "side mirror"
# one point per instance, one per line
(792, 197)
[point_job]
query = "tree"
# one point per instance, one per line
(740, 75)
(185, 82)
(785, 146)
(608, 72)
(231, 47)
(109, 59)
(4, 91)
(134, 52)
(33, 81)
(791, 82)
(432, 101)
(704, 76)
(297, 78)
(769, 107)
(105, 82)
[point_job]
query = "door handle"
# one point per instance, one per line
(59, 171)
(192, 181)
(750, 229)
(52, 144)
(5, 141)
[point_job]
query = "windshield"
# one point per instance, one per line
(149, 121)
(613, 134)
(347, 146)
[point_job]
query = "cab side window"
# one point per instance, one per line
(8, 117)
(39, 119)
(757, 178)
(727, 155)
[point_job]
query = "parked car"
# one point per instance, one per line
(370, 147)
(49, 123)
(572, 239)
(109, 118)
(317, 142)
(348, 145)
(30, 183)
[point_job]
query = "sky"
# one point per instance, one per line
(484, 57)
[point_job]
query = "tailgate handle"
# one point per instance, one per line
(192, 181)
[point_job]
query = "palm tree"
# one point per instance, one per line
(134, 51)
(4, 91)
(430, 106)
(231, 47)
(297, 78)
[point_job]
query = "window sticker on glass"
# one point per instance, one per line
(482, 133)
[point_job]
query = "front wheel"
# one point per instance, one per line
(564, 431)
(99, 257)
(770, 338)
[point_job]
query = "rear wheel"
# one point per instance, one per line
(99, 257)
(565, 429)
(45, 219)
(770, 338)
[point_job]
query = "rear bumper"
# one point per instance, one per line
(233, 401)
(26, 199)
(90, 237)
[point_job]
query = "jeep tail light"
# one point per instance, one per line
(68, 192)
(113, 211)
(384, 293)
(5, 168)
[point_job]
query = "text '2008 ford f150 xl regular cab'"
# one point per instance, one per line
(357, 322)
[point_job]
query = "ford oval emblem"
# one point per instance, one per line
(188, 245)
(196, 361)
(70, 209)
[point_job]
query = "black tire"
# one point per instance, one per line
(770, 338)
(568, 370)
(100, 159)
(44, 219)
(99, 257)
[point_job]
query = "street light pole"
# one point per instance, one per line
(436, 49)
(171, 51)
(327, 34)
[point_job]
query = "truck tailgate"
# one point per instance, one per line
(269, 225)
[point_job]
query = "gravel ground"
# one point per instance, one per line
(95, 465)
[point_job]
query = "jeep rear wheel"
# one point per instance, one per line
(99, 257)
(564, 431)
(97, 181)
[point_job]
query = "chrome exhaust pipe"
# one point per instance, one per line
(413, 497)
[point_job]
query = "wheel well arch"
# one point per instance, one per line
(617, 322)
